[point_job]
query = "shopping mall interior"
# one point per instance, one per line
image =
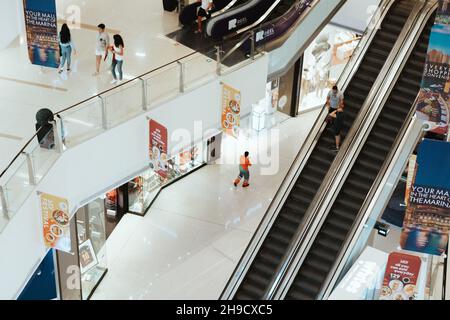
(224, 150)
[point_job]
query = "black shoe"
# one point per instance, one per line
(335, 150)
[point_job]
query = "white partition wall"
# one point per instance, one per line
(11, 19)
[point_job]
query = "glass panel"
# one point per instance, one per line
(142, 190)
(92, 245)
(124, 103)
(199, 69)
(82, 123)
(17, 188)
(43, 158)
(163, 84)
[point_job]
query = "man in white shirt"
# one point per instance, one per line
(101, 47)
(203, 12)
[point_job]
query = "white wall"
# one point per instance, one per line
(11, 19)
(104, 161)
(354, 14)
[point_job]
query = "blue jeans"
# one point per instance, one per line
(66, 55)
(118, 64)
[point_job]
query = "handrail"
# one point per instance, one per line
(340, 176)
(261, 19)
(226, 8)
(313, 220)
(294, 171)
(92, 98)
(405, 136)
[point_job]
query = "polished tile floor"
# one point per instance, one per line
(192, 238)
(25, 88)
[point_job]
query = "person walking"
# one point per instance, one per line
(203, 12)
(244, 164)
(66, 44)
(101, 48)
(117, 49)
(335, 105)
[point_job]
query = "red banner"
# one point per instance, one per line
(400, 278)
(158, 148)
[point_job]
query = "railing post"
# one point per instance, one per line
(252, 45)
(31, 170)
(3, 202)
(218, 60)
(181, 65)
(57, 135)
(144, 94)
(104, 114)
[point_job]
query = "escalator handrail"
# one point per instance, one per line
(404, 136)
(340, 178)
(225, 9)
(317, 212)
(295, 169)
(261, 19)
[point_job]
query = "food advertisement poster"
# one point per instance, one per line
(231, 110)
(42, 32)
(400, 277)
(427, 220)
(434, 99)
(158, 148)
(88, 258)
(56, 222)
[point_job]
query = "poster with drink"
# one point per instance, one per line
(56, 222)
(231, 110)
(426, 225)
(400, 277)
(158, 148)
(433, 106)
(42, 32)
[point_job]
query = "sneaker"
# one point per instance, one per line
(113, 81)
(60, 70)
(245, 185)
(95, 74)
(335, 150)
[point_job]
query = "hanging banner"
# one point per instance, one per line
(400, 277)
(427, 220)
(56, 222)
(42, 32)
(158, 148)
(412, 169)
(231, 110)
(434, 100)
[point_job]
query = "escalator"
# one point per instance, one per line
(189, 13)
(263, 268)
(325, 249)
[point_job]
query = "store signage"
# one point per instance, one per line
(56, 222)
(401, 277)
(158, 148)
(42, 32)
(231, 110)
(361, 280)
(426, 225)
(433, 105)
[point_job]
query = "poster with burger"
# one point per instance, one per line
(231, 110)
(158, 148)
(400, 278)
(56, 222)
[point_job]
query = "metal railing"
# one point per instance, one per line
(297, 166)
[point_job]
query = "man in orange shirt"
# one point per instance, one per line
(244, 163)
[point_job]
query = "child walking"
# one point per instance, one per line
(244, 172)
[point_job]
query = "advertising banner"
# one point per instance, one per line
(400, 277)
(56, 222)
(434, 99)
(231, 110)
(427, 220)
(412, 169)
(42, 32)
(158, 148)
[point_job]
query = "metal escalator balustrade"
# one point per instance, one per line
(326, 247)
(288, 221)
